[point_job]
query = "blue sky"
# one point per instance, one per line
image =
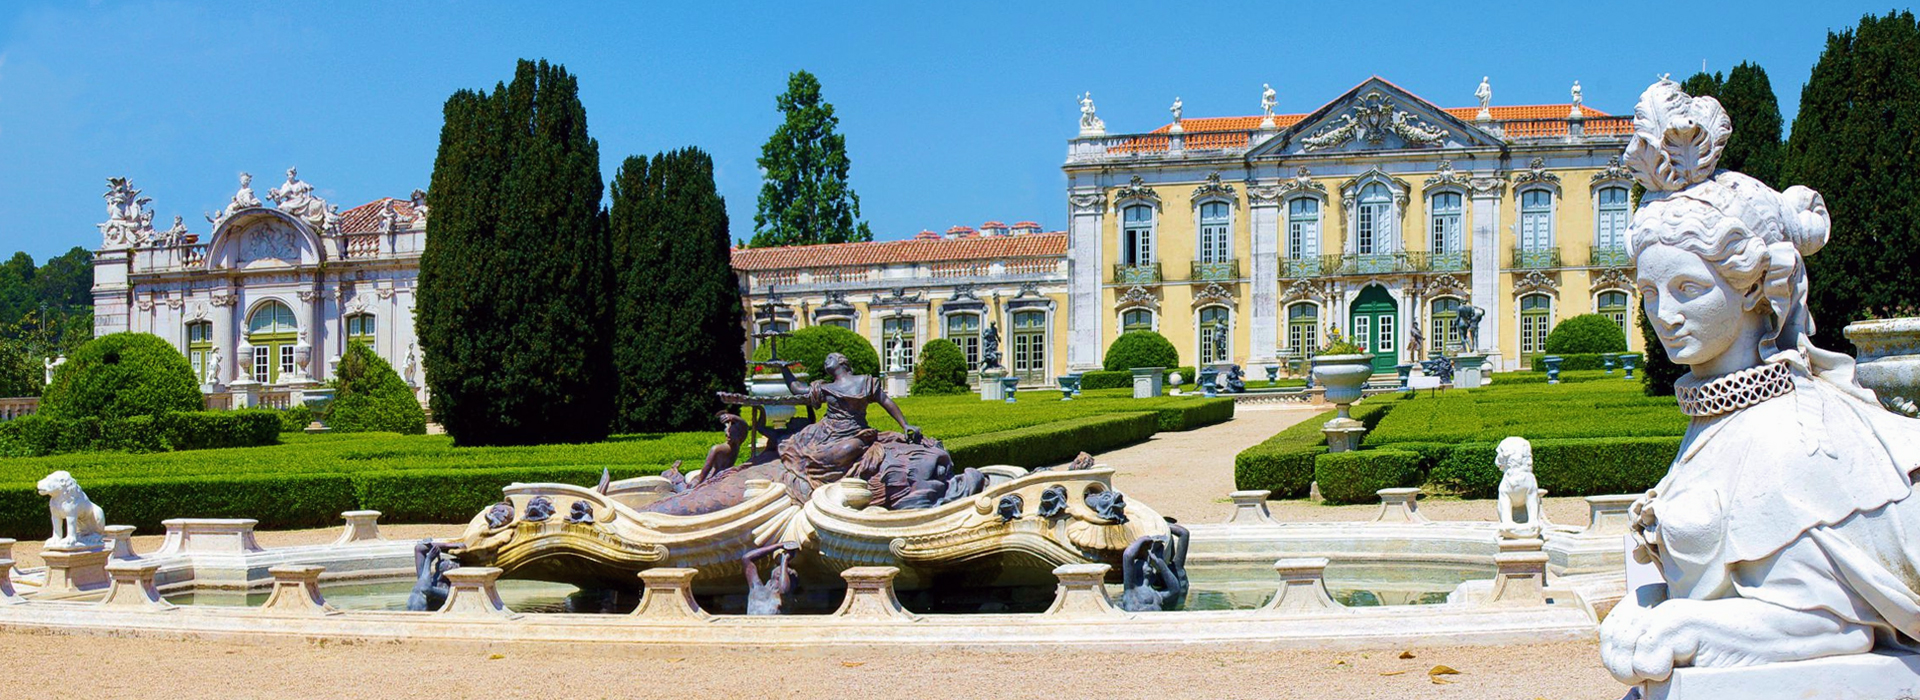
(955, 113)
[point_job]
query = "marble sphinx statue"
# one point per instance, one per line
(1786, 528)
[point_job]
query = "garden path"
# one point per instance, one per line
(1187, 475)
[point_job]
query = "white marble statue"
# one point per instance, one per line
(897, 355)
(1484, 93)
(129, 222)
(242, 199)
(296, 198)
(1267, 100)
(1177, 109)
(1519, 493)
(1784, 529)
(77, 522)
(1090, 122)
(419, 199)
(52, 365)
(213, 368)
(1577, 99)
(412, 371)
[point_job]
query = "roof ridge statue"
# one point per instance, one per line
(1784, 530)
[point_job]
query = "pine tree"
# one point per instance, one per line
(514, 301)
(1703, 84)
(1755, 147)
(805, 198)
(1854, 142)
(678, 330)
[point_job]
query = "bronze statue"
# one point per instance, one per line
(769, 596)
(990, 348)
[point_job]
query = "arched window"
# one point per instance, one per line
(1445, 214)
(1536, 219)
(1374, 225)
(1614, 305)
(964, 331)
(1138, 238)
(1536, 319)
(272, 331)
(1215, 321)
(842, 322)
(1303, 329)
(1303, 237)
(1215, 241)
(1030, 346)
(897, 332)
(199, 346)
(1441, 333)
(1610, 225)
(360, 328)
(1136, 320)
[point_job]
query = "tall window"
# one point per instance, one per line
(1030, 345)
(1445, 215)
(1374, 228)
(964, 331)
(1614, 305)
(1536, 219)
(1139, 235)
(199, 346)
(897, 332)
(1443, 336)
(1610, 222)
(360, 328)
(1213, 232)
(1536, 318)
(841, 322)
(272, 331)
(1215, 322)
(1303, 329)
(1136, 320)
(1303, 228)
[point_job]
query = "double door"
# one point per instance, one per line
(1375, 321)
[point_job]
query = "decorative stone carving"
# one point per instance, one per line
(1535, 281)
(1307, 289)
(129, 222)
(1213, 188)
(1086, 203)
(1786, 529)
(1372, 118)
(242, 199)
(1519, 493)
(77, 522)
(1215, 293)
(1177, 108)
(271, 240)
(1448, 176)
(1610, 280)
(897, 297)
(1136, 190)
(1302, 181)
(296, 198)
(1575, 113)
(1443, 286)
(1614, 172)
(1484, 94)
(1536, 173)
(1090, 124)
(1138, 297)
(419, 199)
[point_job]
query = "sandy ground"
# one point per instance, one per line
(1185, 475)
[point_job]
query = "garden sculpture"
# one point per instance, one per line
(1053, 502)
(500, 515)
(431, 561)
(1786, 529)
(1236, 380)
(1467, 322)
(538, 510)
(1441, 367)
(990, 348)
(769, 596)
(1418, 338)
(580, 512)
(1519, 493)
(77, 522)
(1154, 572)
(1009, 507)
(721, 457)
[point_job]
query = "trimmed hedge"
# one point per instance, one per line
(1052, 443)
(1123, 379)
(1566, 467)
(1586, 333)
(1353, 477)
(1140, 349)
(455, 495)
(368, 396)
(942, 369)
(40, 435)
(122, 375)
(1284, 463)
(1588, 361)
(294, 419)
(1198, 414)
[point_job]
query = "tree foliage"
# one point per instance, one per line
(1854, 142)
(1703, 84)
(45, 311)
(368, 396)
(678, 332)
(809, 346)
(1586, 333)
(1140, 349)
(1755, 147)
(515, 312)
(1661, 371)
(806, 199)
(122, 375)
(942, 369)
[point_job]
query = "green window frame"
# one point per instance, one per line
(1136, 320)
(1215, 320)
(1536, 320)
(1030, 345)
(1303, 329)
(896, 330)
(1614, 305)
(360, 327)
(199, 347)
(272, 330)
(964, 330)
(1215, 241)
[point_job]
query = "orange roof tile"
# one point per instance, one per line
(1213, 133)
(366, 217)
(908, 251)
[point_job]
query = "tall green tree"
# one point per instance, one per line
(515, 285)
(677, 323)
(1703, 84)
(805, 198)
(1755, 147)
(1854, 142)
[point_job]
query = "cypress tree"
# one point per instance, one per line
(1703, 84)
(1854, 142)
(1755, 147)
(805, 199)
(678, 330)
(514, 307)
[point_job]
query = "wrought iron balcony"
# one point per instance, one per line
(1536, 258)
(1218, 271)
(1445, 261)
(1309, 266)
(1609, 256)
(1136, 274)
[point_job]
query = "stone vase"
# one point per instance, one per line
(1889, 358)
(1343, 376)
(774, 385)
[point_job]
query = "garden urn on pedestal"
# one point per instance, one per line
(774, 385)
(1405, 371)
(1553, 368)
(1209, 382)
(1607, 360)
(1067, 384)
(1626, 362)
(1343, 376)
(1889, 359)
(1273, 374)
(1009, 387)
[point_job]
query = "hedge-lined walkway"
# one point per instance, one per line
(1187, 475)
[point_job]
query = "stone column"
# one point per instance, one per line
(1488, 257)
(309, 319)
(225, 322)
(1086, 269)
(1263, 218)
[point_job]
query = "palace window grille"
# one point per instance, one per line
(1374, 227)
(1446, 215)
(1139, 235)
(964, 331)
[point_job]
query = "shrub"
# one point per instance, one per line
(1600, 466)
(1052, 443)
(810, 346)
(294, 419)
(1467, 471)
(1197, 414)
(1353, 477)
(122, 375)
(1588, 361)
(1140, 349)
(942, 369)
(368, 396)
(39, 434)
(1586, 333)
(1101, 379)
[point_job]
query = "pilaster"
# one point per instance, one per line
(1263, 215)
(1487, 257)
(1086, 269)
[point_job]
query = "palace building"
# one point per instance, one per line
(1379, 214)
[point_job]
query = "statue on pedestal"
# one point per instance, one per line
(77, 522)
(990, 348)
(1467, 321)
(1519, 492)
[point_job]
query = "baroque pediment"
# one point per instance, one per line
(1376, 116)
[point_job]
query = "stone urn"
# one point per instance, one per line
(1176, 378)
(1553, 368)
(775, 385)
(1889, 359)
(1343, 376)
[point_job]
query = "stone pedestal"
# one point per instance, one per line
(1521, 577)
(133, 586)
(296, 591)
(1250, 508)
(899, 383)
(244, 393)
(870, 594)
(1303, 587)
(7, 595)
(1343, 434)
(1401, 505)
(120, 541)
(1082, 591)
(362, 526)
(669, 595)
(209, 536)
(1468, 369)
(1148, 382)
(1876, 676)
(1607, 515)
(75, 570)
(470, 591)
(990, 387)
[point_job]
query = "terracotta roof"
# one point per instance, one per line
(993, 224)
(913, 250)
(1213, 133)
(1027, 224)
(960, 231)
(366, 217)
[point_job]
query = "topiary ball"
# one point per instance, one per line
(122, 375)
(942, 369)
(1586, 333)
(809, 346)
(368, 396)
(1140, 349)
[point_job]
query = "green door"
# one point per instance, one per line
(1375, 319)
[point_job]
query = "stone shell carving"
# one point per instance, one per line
(1371, 119)
(1614, 172)
(1677, 139)
(1442, 286)
(1138, 297)
(1536, 173)
(1214, 188)
(1307, 289)
(1446, 176)
(1136, 190)
(1215, 293)
(1535, 281)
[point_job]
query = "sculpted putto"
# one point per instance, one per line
(1784, 529)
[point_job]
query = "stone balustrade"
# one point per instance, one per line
(7, 595)
(132, 586)
(1400, 505)
(1250, 508)
(18, 407)
(296, 591)
(1303, 588)
(1082, 591)
(870, 595)
(362, 526)
(668, 596)
(1607, 515)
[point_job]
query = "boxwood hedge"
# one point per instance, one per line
(1589, 361)
(1354, 476)
(39, 435)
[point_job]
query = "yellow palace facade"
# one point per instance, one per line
(1379, 214)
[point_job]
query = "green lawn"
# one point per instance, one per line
(1592, 404)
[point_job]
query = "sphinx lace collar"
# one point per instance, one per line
(1734, 390)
